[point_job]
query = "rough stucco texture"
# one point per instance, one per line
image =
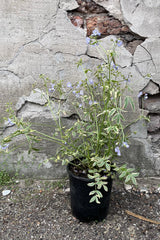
(48, 37)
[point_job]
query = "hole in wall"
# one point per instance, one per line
(89, 15)
(150, 101)
(149, 97)
(154, 124)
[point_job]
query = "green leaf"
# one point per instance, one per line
(73, 134)
(35, 149)
(128, 178)
(97, 201)
(126, 102)
(91, 184)
(93, 199)
(135, 174)
(90, 176)
(108, 167)
(123, 174)
(131, 103)
(102, 113)
(99, 185)
(105, 188)
(101, 164)
(112, 112)
(87, 70)
(129, 170)
(134, 181)
(79, 63)
(99, 194)
(92, 192)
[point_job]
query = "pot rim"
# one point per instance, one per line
(77, 177)
(86, 179)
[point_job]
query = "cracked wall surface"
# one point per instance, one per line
(48, 37)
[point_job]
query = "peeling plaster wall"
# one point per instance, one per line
(48, 37)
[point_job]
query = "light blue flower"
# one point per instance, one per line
(90, 102)
(74, 92)
(125, 144)
(88, 40)
(117, 150)
(69, 85)
(91, 81)
(81, 93)
(128, 80)
(119, 43)
(52, 88)
(79, 84)
(115, 67)
(140, 94)
(77, 95)
(10, 122)
(4, 147)
(80, 105)
(96, 33)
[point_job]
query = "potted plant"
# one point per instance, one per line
(91, 147)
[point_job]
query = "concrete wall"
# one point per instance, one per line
(48, 37)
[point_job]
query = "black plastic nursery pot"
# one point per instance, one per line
(81, 208)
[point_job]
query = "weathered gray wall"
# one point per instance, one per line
(48, 37)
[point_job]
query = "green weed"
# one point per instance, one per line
(5, 178)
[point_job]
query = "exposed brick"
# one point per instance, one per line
(89, 6)
(106, 25)
(77, 21)
(91, 24)
(90, 15)
(125, 29)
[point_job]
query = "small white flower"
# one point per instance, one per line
(145, 96)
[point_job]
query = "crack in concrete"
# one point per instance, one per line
(27, 102)
(73, 116)
(137, 69)
(94, 57)
(54, 15)
(16, 75)
(20, 49)
(147, 60)
(150, 56)
(137, 5)
(126, 21)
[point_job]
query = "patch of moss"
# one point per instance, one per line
(5, 178)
